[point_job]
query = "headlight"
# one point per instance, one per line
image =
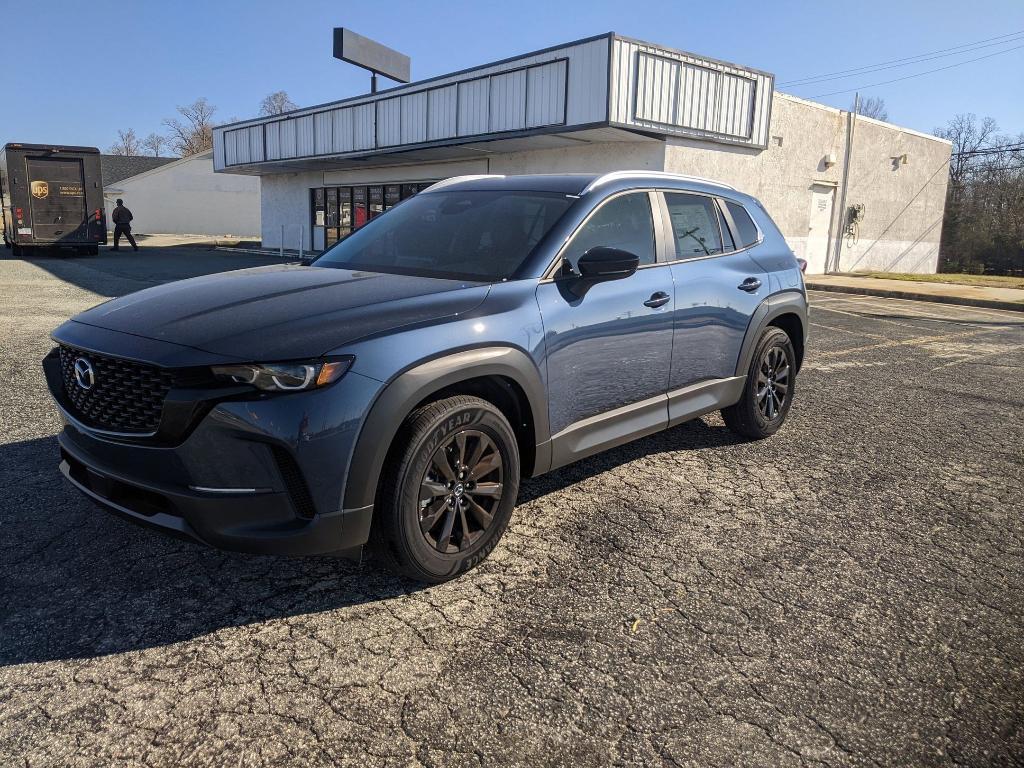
(285, 377)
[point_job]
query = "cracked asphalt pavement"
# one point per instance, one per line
(848, 592)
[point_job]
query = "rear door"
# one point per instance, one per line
(56, 198)
(718, 286)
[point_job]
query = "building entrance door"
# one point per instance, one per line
(819, 228)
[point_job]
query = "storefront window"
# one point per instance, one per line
(340, 210)
(376, 193)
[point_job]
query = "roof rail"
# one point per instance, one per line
(458, 179)
(604, 178)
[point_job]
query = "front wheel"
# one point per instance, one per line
(448, 489)
(768, 391)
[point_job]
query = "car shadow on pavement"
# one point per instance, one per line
(78, 583)
(693, 435)
(118, 273)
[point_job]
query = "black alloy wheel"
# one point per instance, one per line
(460, 491)
(447, 489)
(769, 387)
(772, 382)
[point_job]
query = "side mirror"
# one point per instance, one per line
(602, 263)
(305, 261)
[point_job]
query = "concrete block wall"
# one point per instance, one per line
(904, 203)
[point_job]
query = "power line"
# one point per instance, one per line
(990, 150)
(919, 74)
(989, 169)
(908, 60)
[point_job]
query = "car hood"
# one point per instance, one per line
(282, 312)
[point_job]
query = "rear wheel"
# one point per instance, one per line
(768, 392)
(448, 489)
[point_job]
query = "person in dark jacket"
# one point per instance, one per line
(122, 218)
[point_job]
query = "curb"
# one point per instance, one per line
(961, 300)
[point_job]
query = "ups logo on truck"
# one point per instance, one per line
(40, 189)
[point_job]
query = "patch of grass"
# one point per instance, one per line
(980, 281)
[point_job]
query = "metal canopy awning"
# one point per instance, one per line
(445, 152)
(604, 88)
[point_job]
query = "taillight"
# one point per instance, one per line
(99, 215)
(803, 264)
(18, 214)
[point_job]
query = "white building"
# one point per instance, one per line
(847, 193)
(186, 197)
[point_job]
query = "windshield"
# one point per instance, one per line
(480, 236)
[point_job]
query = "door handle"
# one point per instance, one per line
(749, 285)
(658, 299)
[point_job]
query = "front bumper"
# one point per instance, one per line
(263, 475)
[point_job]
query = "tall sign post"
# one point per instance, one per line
(371, 55)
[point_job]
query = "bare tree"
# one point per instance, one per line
(984, 226)
(127, 144)
(277, 103)
(873, 106)
(194, 134)
(154, 144)
(968, 136)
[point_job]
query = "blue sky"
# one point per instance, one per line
(76, 72)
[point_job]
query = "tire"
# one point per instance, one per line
(17, 251)
(769, 389)
(432, 527)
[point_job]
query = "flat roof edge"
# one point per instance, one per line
(303, 111)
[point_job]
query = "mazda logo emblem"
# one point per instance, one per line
(85, 376)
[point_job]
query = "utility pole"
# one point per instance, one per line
(851, 126)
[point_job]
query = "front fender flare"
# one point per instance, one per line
(416, 384)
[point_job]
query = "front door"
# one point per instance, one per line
(609, 351)
(819, 228)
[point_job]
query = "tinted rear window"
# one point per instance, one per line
(747, 233)
(694, 223)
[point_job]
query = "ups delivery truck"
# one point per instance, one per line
(51, 197)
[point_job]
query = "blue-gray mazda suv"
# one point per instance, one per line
(397, 390)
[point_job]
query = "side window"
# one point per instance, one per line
(695, 224)
(623, 222)
(747, 233)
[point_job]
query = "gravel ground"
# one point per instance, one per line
(847, 592)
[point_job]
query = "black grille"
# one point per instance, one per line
(124, 396)
(294, 483)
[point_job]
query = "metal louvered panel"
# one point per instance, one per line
(365, 125)
(273, 134)
(288, 146)
(675, 92)
(545, 94)
(442, 118)
(507, 107)
(324, 130)
(343, 130)
(473, 107)
(389, 122)
(304, 136)
(414, 118)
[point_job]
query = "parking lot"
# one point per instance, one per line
(850, 591)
